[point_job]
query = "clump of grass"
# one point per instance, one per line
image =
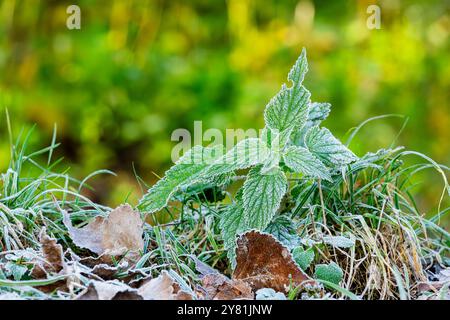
(29, 203)
(371, 203)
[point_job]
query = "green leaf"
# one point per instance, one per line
(331, 272)
(224, 179)
(317, 113)
(15, 270)
(246, 153)
(299, 70)
(188, 170)
(275, 140)
(262, 196)
(231, 224)
(272, 162)
(269, 294)
(202, 191)
(300, 160)
(304, 258)
(284, 229)
(339, 241)
(203, 164)
(327, 148)
(288, 109)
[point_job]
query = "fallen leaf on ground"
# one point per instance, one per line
(263, 262)
(109, 290)
(52, 260)
(164, 287)
(105, 271)
(219, 287)
(118, 234)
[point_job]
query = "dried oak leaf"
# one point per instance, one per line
(52, 257)
(263, 262)
(109, 290)
(219, 287)
(118, 234)
(164, 287)
(105, 271)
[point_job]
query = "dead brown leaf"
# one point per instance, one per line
(105, 271)
(116, 235)
(164, 287)
(52, 257)
(263, 262)
(219, 287)
(109, 290)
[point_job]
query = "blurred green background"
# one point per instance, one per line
(139, 69)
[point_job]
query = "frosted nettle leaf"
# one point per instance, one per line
(308, 242)
(271, 163)
(300, 160)
(317, 113)
(246, 153)
(339, 241)
(304, 258)
(275, 139)
(203, 192)
(188, 170)
(224, 179)
(269, 294)
(327, 148)
(231, 223)
(262, 196)
(331, 273)
(288, 109)
(299, 69)
(17, 271)
(284, 229)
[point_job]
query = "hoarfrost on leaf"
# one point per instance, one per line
(262, 196)
(327, 148)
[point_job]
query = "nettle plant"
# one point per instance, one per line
(292, 142)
